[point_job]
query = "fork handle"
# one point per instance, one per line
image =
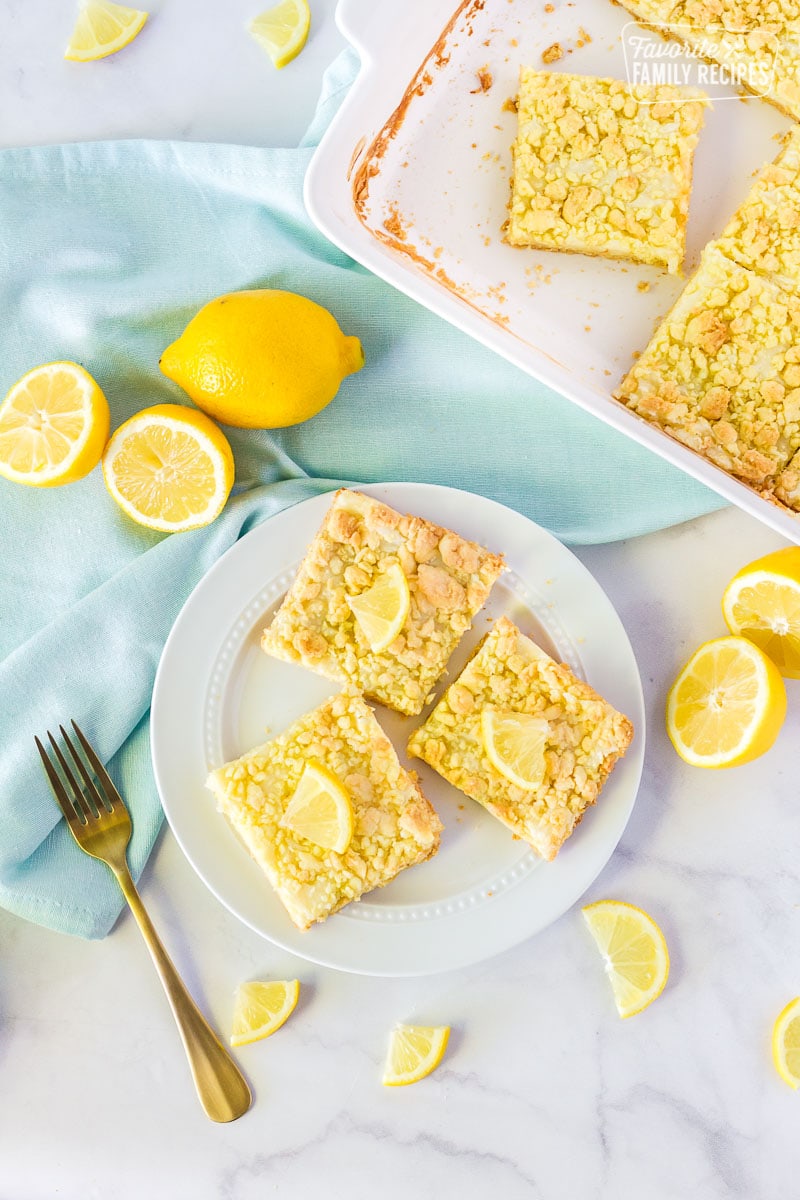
(223, 1091)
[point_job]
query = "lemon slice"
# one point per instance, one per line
(786, 1043)
(382, 609)
(320, 809)
(282, 30)
(414, 1051)
(727, 705)
(53, 426)
(762, 603)
(169, 468)
(261, 1008)
(103, 28)
(515, 744)
(635, 953)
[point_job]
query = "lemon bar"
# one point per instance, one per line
(755, 41)
(363, 544)
(763, 234)
(581, 737)
(722, 374)
(602, 167)
(393, 825)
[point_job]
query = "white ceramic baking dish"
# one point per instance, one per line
(412, 181)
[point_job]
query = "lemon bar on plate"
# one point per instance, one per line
(381, 600)
(603, 167)
(722, 375)
(326, 809)
(519, 733)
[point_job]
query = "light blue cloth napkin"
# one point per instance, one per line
(106, 251)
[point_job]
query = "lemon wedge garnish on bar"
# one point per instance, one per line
(414, 1051)
(320, 809)
(282, 30)
(261, 1008)
(515, 745)
(381, 610)
(634, 950)
(103, 28)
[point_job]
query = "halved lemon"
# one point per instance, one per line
(727, 705)
(282, 30)
(382, 609)
(634, 950)
(414, 1051)
(515, 744)
(53, 426)
(320, 809)
(762, 603)
(261, 1008)
(786, 1043)
(169, 468)
(102, 28)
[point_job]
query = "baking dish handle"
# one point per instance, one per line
(356, 20)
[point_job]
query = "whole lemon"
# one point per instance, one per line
(262, 359)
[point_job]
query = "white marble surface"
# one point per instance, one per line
(545, 1093)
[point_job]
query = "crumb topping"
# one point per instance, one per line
(603, 168)
(449, 579)
(585, 737)
(722, 372)
(394, 826)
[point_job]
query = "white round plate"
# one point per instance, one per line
(217, 695)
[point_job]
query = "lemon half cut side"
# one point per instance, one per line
(54, 425)
(727, 705)
(169, 468)
(762, 604)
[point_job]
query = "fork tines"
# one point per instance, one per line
(82, 801)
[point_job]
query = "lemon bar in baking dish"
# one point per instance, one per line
(522, 735)
(602, 167)
(389, 822)
(763, 234)
(722, 375)
(381, 600)
(755, 41)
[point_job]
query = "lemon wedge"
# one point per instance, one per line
(762, 603)
(382, 609)
(786, 1043)
(320, 809)
(727, 705)
(261, 1008)
(53, 426)
(282, 30)
(634, 950)
(103, 28)
(515, 744)
(414, 1051)
(169, 468)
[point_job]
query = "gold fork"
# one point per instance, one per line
(100, 823)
